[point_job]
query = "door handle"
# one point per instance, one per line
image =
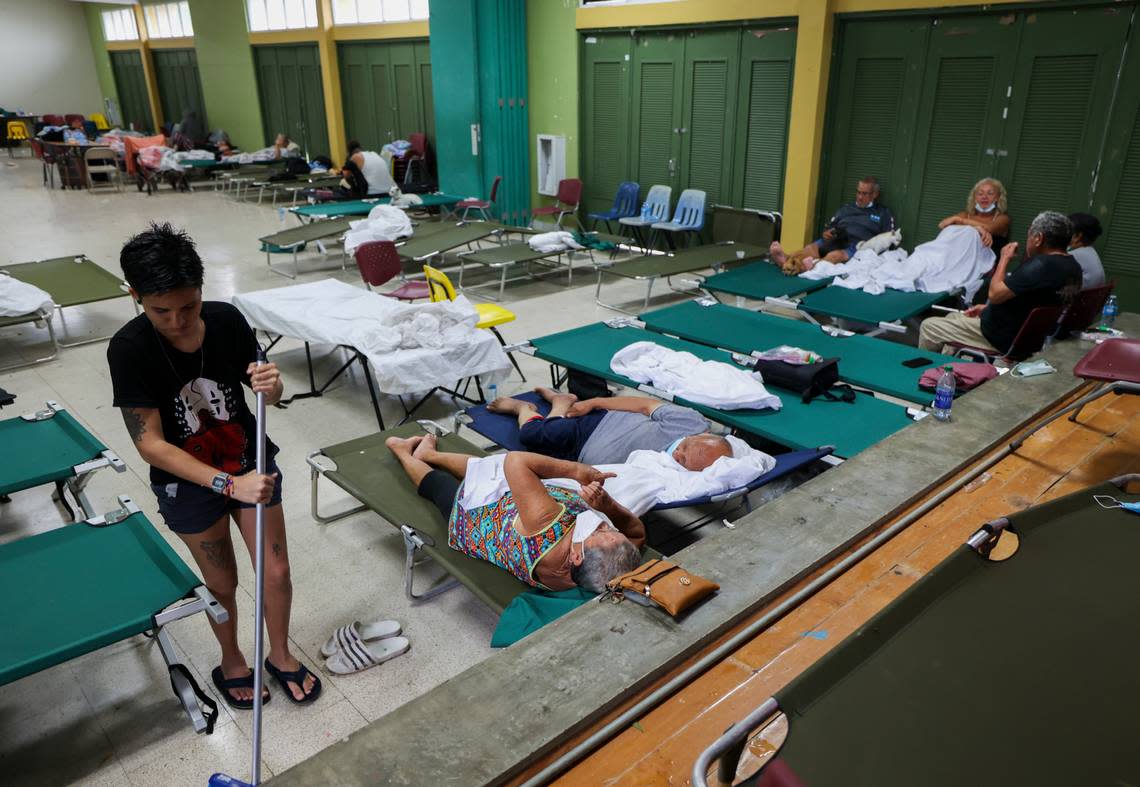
(1002, 153)
(672, 166)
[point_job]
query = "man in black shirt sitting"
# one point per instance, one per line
(852, 223)
(1048, 277)
(177, 371)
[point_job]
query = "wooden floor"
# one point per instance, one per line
(661, 747)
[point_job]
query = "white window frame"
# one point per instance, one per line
(119, 25)
(378, 12)
(271, 15)
(168, 20)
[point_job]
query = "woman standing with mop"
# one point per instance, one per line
(177, 371)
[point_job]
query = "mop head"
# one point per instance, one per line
(221, 780)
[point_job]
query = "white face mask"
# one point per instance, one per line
(978, 208)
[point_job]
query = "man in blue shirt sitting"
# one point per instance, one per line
(859, 221)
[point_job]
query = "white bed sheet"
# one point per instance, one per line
(386, 331)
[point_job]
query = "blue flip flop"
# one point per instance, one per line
(298, 677)
(224, 685)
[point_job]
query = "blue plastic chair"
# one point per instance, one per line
(658, 202)
(689, 217)
(625, 204)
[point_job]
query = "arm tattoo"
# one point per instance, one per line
(136, 426)
(216, 552)
(276, 549)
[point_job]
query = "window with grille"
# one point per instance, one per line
(119, 25)
(281, 14)
(168, 20)
(366, 12)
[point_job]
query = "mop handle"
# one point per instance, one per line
(259, 584)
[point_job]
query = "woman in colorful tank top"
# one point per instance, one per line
(509, 511)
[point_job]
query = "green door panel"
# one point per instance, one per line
(710, 88)
(657, 88)
(1062, 89)
(292, 97)
(383, 87)
(405, 94)
(605, 118)
(130, 83)
(179, 86)
(968, 71)
(873, 110)
(767, 60)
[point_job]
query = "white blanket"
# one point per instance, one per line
(18, 298)
(549, 242)
(383, 223)
(711, 383)
(645, 480)
(956, 258)
(408, 356)
(256, 156)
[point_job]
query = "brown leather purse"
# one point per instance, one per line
(662, 583)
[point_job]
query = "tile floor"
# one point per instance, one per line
(108, 717)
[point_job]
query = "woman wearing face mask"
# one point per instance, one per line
(987, 212)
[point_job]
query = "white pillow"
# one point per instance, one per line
(881, 242)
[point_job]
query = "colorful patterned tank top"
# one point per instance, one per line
(488, 533)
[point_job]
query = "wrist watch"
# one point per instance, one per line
(218, 484)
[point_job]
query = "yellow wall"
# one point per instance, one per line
(815, 22)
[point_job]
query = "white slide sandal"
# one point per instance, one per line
(380, 629)
(357, 655)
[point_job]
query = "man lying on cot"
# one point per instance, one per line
(606, 430)
(500, 509)
(177, 371)
(858, 221)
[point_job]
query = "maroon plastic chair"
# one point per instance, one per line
(54, 120)
(566, 203)
(417, 156)
(1039, 324)
(379, 263)
(1086, 307)
(69, 119)
(478, 204)
(1114, 363)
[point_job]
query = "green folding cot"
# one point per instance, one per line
(362, 207)
(51, 447)
(503, 258)
(760, 281)
(849, 426)
(76, 589)
(886, 310)
(434, 239)
(295, 238)
(651, 267)
(1012, 662)
(864, 361)
(71, 281)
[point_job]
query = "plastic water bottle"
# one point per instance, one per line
(944, 394)
(492, 392)
(646, 212)
(1108, 316)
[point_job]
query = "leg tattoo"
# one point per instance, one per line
(216, 552)
(276, 549)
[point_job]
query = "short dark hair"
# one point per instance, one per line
(161, 259)
(1087, 225)
(353, 146)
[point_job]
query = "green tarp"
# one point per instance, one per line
(890, 306)
(43, 451)
(652, 266)
(71, 281)
(760, 280)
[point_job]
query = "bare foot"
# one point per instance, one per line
(404, 445)
(558, 400)
(425, 448)
(505, 404)
(808, 263)
(776, 252)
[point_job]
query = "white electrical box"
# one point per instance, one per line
(551, 162)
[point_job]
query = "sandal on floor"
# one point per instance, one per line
(225, 685)
(381, 629)
(285, 678)
(358, 655)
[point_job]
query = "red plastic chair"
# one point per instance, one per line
(69, 119)
(54, 120)
(47, 159)
(1086, 307)
(379, 263)
(417, 154)
(1039, 324)
(478, 204)
(566, 203)
(1114, 363)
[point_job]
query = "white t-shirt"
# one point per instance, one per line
(376, 173)
(1091, 268)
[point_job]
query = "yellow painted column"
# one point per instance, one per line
(330, 82)
(809, 103)
(148, 69)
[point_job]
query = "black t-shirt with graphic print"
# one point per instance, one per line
(198, 395)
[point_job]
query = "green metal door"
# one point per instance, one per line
(179, 87)
(605, 115)
(764, 101)
(130, 82)
(383, 87)
(423, 74)
(407, 117)
(1061, 93)
(872, 111)
(658, 60)
(711, 76)
(292, 97)
(960, 117)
